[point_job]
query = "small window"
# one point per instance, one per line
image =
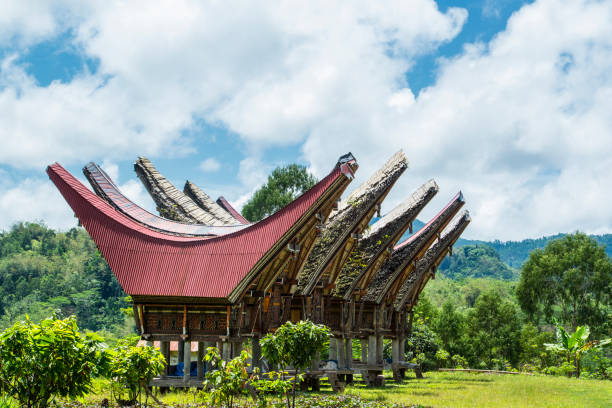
(174, 323)
(159, 323)
(202, 324)
(216, 323)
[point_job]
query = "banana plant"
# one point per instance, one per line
(574, 345)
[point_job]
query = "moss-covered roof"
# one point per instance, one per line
(350, 213)
(171, 202)
(407, 252)
(431, 259)
(381, 235)
(207, 204)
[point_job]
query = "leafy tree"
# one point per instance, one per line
(570, 279)
(284, 185)
(133, 367)
(493, 330)
(41, 361)
(574, 345)
(450, 326)
(43, 271)
(295, 345)
(229, 380)
(533, 354)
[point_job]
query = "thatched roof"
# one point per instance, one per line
(381, 235)
(171, 202)
(435, 254)
(351, 212)
(207, 204)
(409, 251)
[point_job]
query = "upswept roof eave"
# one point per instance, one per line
(209, 206)
(342, 222)
(405, 253)
(434, 255)
(105, 188)
(171, 199)
(93, 211)
(392, 225)
(223, 203)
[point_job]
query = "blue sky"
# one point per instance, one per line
(506, 100)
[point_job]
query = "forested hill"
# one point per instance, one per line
(43, 271)
(515, 253)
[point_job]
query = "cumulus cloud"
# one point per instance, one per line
(210, 165)
(521, 123)
(34, 200)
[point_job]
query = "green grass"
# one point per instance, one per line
(455, 390)
(459, 390)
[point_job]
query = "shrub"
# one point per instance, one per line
(133, 367)
(41, 361)
(296, 345)
(459, 361)
(229, 380)
(442, 357)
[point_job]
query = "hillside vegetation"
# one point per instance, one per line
(44, 272)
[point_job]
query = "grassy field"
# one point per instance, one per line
(458, 390)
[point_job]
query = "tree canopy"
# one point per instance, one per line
(284, 185)
(571, 280)
(43, 271)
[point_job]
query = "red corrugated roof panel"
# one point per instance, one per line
(151, 263)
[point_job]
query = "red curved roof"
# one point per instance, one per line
(151, 263)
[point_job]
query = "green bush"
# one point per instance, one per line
(133, 367)
(459, 361)
(41, 361)
(295, 345)
(228, 379)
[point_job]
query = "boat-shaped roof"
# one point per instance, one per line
(173, 203)
(150, 263)
(433, 257)
(353, 213)
(409, 251)
(380, 237)
(108, 190)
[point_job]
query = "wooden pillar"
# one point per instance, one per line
(364, 350)
(201, 353)
(372, 354)
(333, 349)
(187, 361)
(395, 351)
(348, 349)
(181, 351)
(227, 351)
(165, 350)
(316, 361)
(341, 351)
(236, 348)
(379, 349)
(256, 351)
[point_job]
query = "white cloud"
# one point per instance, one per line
(521, 124)
(35, 200)
(210, 165)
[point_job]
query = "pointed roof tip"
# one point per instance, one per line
(460, 194)
(432, 182)
(346, 158)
